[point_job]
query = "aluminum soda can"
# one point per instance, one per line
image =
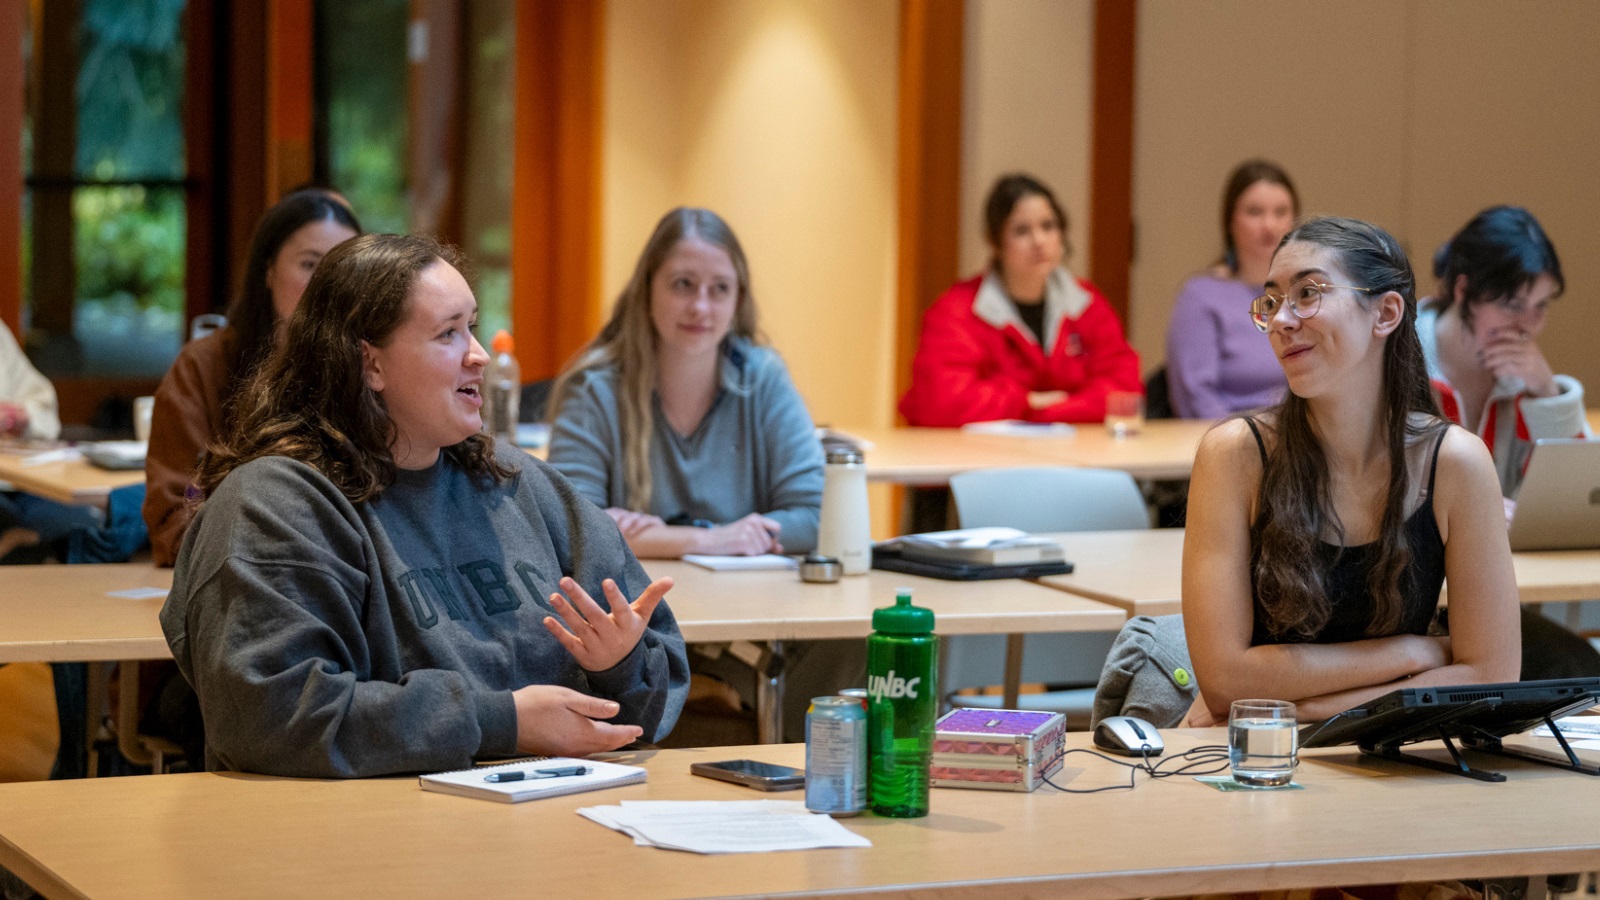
(836, 756)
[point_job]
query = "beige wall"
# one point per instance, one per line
(1028, 95)
(1414, 115)
(1316, 87)
(780, 116)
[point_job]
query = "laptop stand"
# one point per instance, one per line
(1482, 741)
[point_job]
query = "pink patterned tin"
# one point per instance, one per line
(997, 749)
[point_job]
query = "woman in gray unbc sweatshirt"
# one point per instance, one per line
(373, 586)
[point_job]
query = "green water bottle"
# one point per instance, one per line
(902, 704)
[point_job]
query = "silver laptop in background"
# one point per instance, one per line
(1558, 506)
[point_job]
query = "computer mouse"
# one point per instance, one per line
(1128, 736)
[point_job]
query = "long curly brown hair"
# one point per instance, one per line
(1296, 508)
(309, 400)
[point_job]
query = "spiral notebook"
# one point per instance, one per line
(474, 782)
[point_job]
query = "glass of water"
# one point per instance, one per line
(1124, 413)
(1262, 742)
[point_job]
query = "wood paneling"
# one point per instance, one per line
(12, 15)
(1111, 154)
(289, 95)
(555, 223)
(929, 156)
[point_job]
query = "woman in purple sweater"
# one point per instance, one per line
(1217, 363)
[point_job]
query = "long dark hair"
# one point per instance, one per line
(310, 401)
(628, 341)
(1296, 504)
(1501, 251)
(1243, 176)
(251, 316)
(1008, 191)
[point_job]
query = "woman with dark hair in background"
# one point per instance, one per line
(1025, 339)
(678, 420)
(1321, 531)
(1216, 361)
(194, 403)
(373, 586)
(1480, 334)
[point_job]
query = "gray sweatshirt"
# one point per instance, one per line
(755, 451)
(326, 638)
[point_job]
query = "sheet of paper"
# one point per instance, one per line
(740, 826)
(138, 593)
(741, 563)
(64, 454)
(1582, 732)
(1020, 428)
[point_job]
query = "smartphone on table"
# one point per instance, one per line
(759, 775)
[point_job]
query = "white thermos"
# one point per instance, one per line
(845, 532)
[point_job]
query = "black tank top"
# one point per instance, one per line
(1351, 606)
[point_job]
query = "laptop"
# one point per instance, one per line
(1412, 714)
(1558, 507)
(1477, 715)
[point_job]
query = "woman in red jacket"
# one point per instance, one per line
(1024, 340)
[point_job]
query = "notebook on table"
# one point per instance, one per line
(529, 779)
(1558, 505)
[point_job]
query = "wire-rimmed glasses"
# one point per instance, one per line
(1303, 297)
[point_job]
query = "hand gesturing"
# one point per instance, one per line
(597, 639)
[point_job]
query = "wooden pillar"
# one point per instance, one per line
(242, 169)
(1111, 151)
(55, 153)
(13, 13)
(928, 204)
(437, 92)
(555, 182)
(205, 284)
(289, 78)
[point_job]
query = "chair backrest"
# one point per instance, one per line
(1158, 396)
(535, 403)
(1054, 498)
(204, 324)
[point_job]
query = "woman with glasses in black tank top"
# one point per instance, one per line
(1320, 531)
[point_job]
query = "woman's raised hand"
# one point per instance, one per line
(598, 639)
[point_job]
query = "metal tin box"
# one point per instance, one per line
(997, 749)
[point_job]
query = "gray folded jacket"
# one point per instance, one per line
(1147, 673)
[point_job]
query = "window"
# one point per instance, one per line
(104, 167)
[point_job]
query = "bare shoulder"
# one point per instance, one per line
(1463, 459)
(1232, 444)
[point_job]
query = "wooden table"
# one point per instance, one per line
(63, 613)
(53, 613)
(1358, 821)
(1138, 571)
(1142, 571)
(1164, 449)
(65, 481)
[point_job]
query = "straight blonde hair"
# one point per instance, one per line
(628, 341)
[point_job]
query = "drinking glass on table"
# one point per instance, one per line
(1124, 413)
(143, 409)
(1262, 742)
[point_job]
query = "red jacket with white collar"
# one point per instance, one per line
(977, 361)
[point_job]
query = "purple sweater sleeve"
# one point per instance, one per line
(1194, 362)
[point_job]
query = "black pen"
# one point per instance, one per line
(564, 771)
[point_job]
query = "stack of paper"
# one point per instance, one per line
(979, 546)
(1582, 732)
(736, 826)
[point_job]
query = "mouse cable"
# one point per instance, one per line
(1204, 760)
